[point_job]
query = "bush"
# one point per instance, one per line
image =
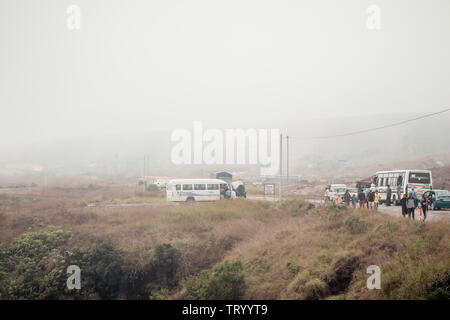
(164, 265)
(225, 282)
(439, 289)
(315, 289)
(355, 225)
(32, 266)
(153, 188)
(156, 278)
(101, 271)
(293, 268)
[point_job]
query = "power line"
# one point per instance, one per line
(371, 129)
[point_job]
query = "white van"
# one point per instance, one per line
(336, 189)
(194, 189)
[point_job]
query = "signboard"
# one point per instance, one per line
(269, 189)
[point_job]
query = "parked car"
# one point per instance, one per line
(239, 188)
(440, 199)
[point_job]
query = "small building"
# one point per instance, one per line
(223, 175)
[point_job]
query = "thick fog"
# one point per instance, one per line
(116, 82)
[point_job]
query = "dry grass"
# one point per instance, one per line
(289, 251)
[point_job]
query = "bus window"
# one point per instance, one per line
(178, 187)
(187, 186)
(199, 187)
(419, 177)
(212, 187)
(400, 180)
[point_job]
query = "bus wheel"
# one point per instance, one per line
(190, 200)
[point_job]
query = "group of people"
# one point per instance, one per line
(369, 199)
(226, 192)
(411, 202)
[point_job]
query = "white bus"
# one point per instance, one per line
(194, 189)
(403, 181)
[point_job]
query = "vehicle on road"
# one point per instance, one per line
(403, 180)
(239, 188)
(440, 199)
(194, 189)
(336, 189)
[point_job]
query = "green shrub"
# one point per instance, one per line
(33, 266)
(293, 268)
(101, 271)
(157, 277)
(439, 289)
(153, 188)
(354, 225)
(164, 265)
(225, 282)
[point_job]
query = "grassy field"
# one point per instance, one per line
(221, 250)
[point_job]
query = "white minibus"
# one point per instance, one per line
(194, 189)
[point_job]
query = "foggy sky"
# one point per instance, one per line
(144, 65)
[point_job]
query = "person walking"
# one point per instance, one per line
(361, 198)
(377, 198)
(347, 197)
(411, 205)
(404, 207)
(388, 195)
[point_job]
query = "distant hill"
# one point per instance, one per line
(421, 144)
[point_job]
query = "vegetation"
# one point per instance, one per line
(225, 282)
(222, 250)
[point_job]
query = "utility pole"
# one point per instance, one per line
(143, 174)
(281, 165)
(287, 165)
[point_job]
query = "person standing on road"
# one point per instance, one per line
(411, 205)
(388, 195)
(377, 198)
(404, 207)
(399, 188)
(337, 199)
(424, 206)
(354, 201)
(347, 198)
(414, 194)
(366, 193)
(371, 199)
(361, 198)
(327, 195)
